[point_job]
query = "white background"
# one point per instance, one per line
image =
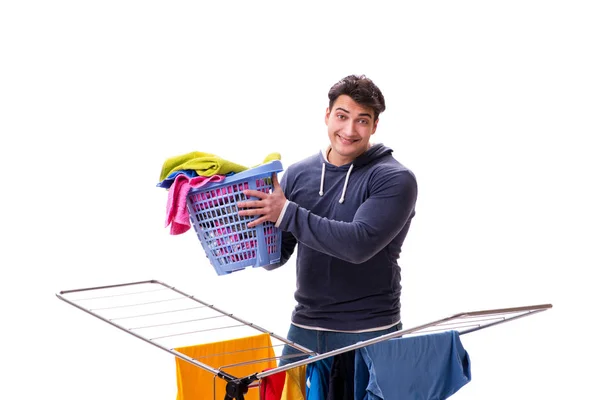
(494, 106)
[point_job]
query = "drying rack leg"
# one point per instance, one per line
(236, 389)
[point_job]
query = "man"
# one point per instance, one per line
(348, 209)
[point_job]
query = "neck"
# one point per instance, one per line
(329, 148)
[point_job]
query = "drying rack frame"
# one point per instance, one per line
(236, 386)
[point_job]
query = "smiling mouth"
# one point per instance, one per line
(345, 140)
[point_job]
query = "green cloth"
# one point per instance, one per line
(205, 164)
(270, 157)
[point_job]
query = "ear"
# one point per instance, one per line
(327, 116)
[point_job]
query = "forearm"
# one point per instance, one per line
(376, 222)
(354, 242)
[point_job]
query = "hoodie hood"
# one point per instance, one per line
(374, 152)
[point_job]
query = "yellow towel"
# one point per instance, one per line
(271, 157)
(194, 383)
(205, 164)
(294, 387)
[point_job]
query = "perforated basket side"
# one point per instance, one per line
(227, 241)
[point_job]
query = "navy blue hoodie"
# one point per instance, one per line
(349, 223)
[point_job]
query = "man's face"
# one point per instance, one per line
(349, 126)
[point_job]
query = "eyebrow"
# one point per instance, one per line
(360, 115)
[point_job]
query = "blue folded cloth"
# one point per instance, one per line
(168, 181)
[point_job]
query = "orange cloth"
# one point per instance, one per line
(194, 383)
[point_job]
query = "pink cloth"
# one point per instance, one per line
(177, 212)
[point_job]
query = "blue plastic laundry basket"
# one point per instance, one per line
(227, 241)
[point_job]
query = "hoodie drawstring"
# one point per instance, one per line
(322, 179)
(345, 182)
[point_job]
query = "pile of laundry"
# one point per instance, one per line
(180, 174)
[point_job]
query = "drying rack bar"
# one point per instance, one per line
(115, 289)
(477, 320)
(169, 318)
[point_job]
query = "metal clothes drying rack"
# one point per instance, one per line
(168, 318)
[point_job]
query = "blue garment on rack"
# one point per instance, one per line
(317, 379)
(426, 367)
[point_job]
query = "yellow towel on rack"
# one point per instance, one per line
(250, 355)
(205, 164)
(294, 387)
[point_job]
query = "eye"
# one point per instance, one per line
(363, 121)
(341, 116)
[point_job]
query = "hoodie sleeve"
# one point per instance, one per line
(387, 210)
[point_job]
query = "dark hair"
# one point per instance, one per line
(362, 90)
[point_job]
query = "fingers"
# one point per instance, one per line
(275, 181)
(262, 195)
(250, 211)
(257, 221)
(260, 205)
(255, 193)
(249, 204)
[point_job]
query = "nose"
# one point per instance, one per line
(347, 128)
